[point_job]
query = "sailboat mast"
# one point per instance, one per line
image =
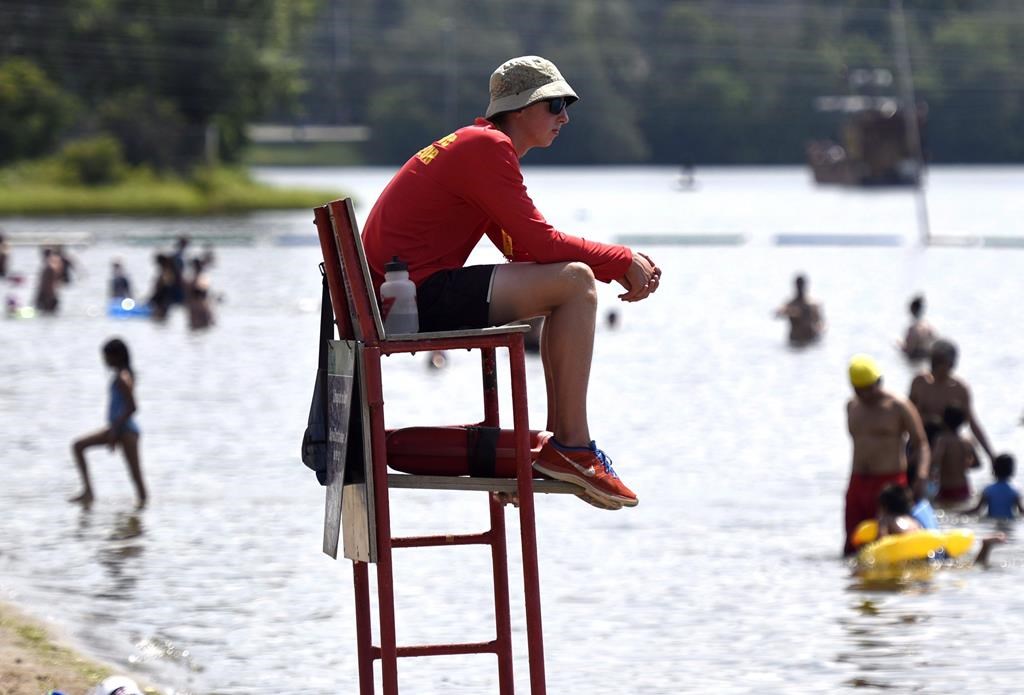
(913, 133)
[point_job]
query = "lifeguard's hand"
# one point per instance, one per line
(641, 279)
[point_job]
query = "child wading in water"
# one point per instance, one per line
(952, 455)
(1002, 499)
(121, 428)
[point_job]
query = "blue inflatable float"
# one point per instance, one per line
(127, 308)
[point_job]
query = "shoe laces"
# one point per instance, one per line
(606, 462)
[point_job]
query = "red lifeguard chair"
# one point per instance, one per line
(358, 494)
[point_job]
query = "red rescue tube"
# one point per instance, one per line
(475, 450)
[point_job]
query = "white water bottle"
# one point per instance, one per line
(398, 299)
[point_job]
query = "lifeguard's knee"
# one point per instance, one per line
(580, 278)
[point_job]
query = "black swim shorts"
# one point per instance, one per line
(451, 300)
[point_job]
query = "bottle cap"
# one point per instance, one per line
(395, 264)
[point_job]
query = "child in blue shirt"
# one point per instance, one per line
(1001, 498)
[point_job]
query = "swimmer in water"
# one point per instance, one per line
(805, 316)
(917, 343)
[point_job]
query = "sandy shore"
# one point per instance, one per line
(34, 661)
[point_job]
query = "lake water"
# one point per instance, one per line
(726, 578)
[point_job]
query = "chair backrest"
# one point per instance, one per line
(356, 271)
(336, 284)
(340, 240)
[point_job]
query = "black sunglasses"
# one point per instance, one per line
(558, 104)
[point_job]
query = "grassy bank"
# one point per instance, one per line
(32, 661)
(209, 191)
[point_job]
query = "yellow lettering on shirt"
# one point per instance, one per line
(427, 154)
(506, 244)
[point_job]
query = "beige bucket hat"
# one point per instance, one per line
(525, 80)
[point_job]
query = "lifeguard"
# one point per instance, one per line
(468, 184)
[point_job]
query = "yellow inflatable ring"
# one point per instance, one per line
(957, 542)
(865, 532)
(915, 545)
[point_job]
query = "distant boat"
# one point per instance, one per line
(881, 140)
(872, 148)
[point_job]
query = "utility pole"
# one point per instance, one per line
(451, 70)
(913, 132)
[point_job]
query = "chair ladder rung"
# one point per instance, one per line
(453, 482)
(443, 649)
(484, 538)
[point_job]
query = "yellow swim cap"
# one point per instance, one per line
(863, 371)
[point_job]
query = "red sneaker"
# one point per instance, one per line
(599, 502)
(589, 468)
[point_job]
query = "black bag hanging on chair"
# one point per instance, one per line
(314, 440)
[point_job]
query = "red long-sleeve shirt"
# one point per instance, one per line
(453, 192)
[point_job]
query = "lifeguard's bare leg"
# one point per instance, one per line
(566, 295)
(549, 381)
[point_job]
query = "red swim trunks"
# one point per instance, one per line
(862, 500)
(954, 494)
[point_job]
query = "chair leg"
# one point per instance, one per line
(527, 520)
(502, 614)
(364, 636)
(388, 644)
(385, 574)
(499, 543)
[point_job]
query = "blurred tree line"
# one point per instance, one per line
(666, 81)
(161, 83)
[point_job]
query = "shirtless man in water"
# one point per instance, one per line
(931, 392)
(917, 343)
(806, 322)
(50, 274)
(879, 423)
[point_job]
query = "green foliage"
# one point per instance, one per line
(93, 161)
(611, 67)
(172, 67)
(150, 129)
(671, 81)
(403, 121)
(33, 110)
(986, 67)
(213, 179)
(702, 81)
(304, 154)
(34, 190)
